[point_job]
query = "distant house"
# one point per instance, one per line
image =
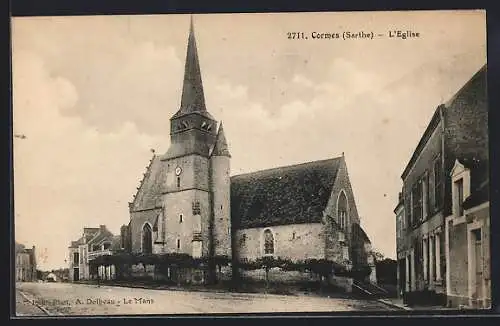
(25, 264)
(93, 243)
(51, 277)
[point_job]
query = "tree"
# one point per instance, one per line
(377, 255)
(387, 271)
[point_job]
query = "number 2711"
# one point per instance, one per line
(295, 35)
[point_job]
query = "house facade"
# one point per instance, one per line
(458, 131)
(402, 266)
(93, 243)
(188, 203)
(25, 264)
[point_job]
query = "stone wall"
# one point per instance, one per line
(458, 261)
(294, 241)
(221, 184)
(356, 246)
(277, 275)
(182, 203)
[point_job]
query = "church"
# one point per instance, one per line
(188, 202)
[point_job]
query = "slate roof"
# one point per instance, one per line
(92, 236)
(193, 98)
(478, 197)
(287, 195)
(479, 186)
(75, 244)
(116, 242)
(151, 187)
(19, 247)
(102, 235)
(220, 147)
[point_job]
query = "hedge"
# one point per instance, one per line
(171, 259)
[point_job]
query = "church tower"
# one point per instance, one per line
(192, 187)
(220, 186)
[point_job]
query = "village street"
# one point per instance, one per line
(81, 299)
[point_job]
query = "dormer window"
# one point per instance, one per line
(460, 177)
(459, 196)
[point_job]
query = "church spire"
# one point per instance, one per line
(193, 98)
(220, 147)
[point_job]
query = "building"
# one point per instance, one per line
(93, 243)
(25, 264)
(444, 210)
(401, 247)
(188, 203)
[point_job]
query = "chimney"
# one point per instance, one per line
(102, 227)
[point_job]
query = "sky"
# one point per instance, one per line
(94, 94)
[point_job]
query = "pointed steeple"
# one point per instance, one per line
(220, 147)
(193, 98)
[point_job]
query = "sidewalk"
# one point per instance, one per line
(243, 288)
(398, 303)
(26, 306)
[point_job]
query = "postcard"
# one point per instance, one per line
(250, 163)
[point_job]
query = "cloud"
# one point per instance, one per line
(67, 174)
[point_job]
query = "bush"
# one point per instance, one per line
(387, 271)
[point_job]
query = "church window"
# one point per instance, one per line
(268, 242)
(147, 239)
(178, 182)
(196, 208)
(342, 210)
(293, 236)
(181, 217)
(178, 243)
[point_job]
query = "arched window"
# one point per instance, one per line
(268, 242)
(147, 239)
(342, 210)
